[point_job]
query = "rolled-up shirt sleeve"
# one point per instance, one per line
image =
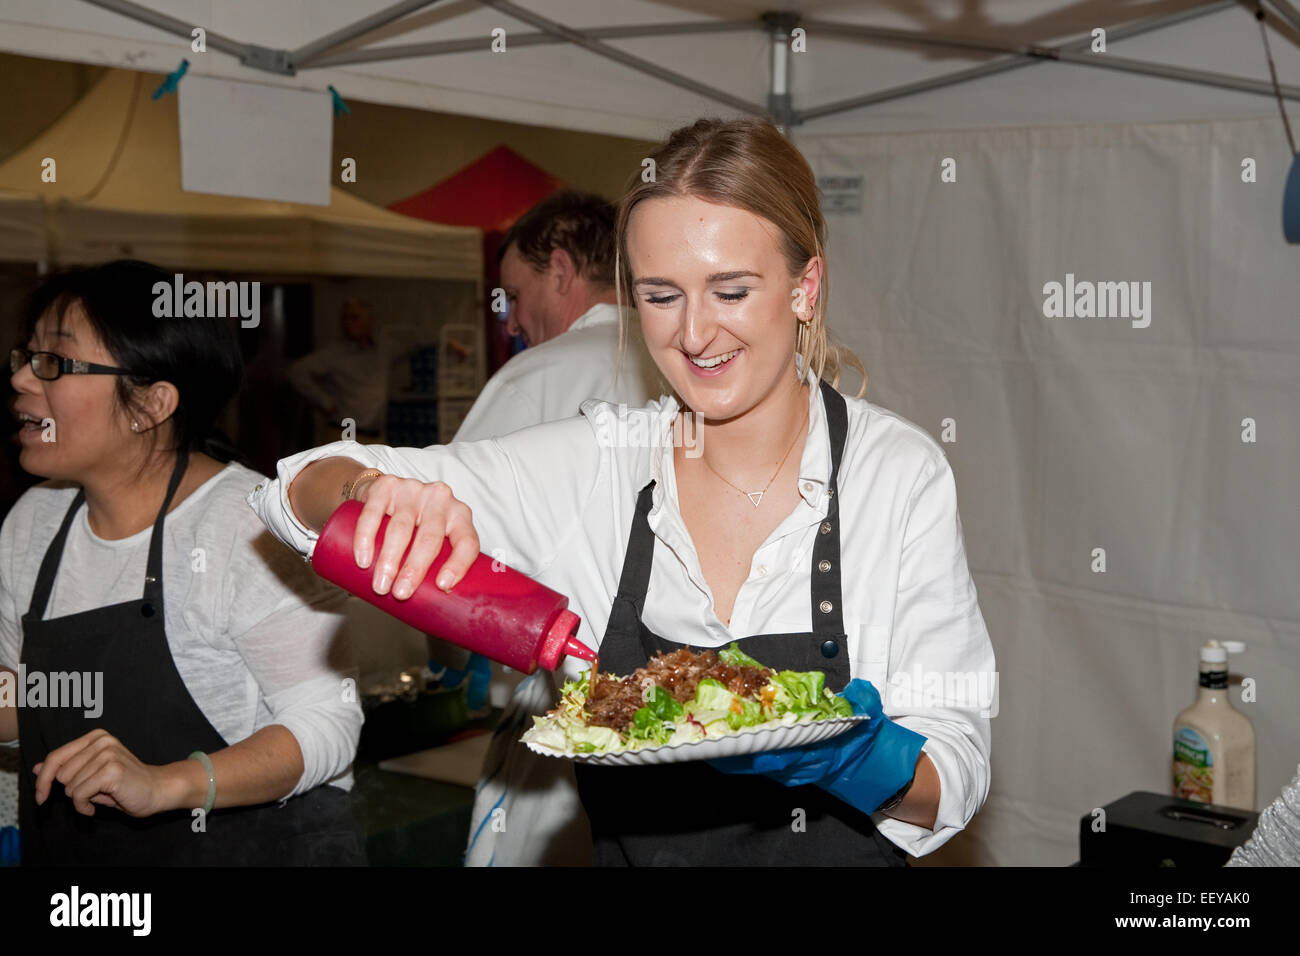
(942, 678)
(526, 490)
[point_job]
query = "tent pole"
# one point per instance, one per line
(170, 24)
(1221, 80)
(1287, 12)
(1026, 57)
(475, 44)
(855, 31)
(780, 26)
(581, 39)
(309, 51)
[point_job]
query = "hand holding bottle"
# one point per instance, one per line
(426, 511)
(421, 514)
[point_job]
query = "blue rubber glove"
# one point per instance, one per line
(863, 767)
(9, 853)
(478, 671)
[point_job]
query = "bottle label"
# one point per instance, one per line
(1193, 767)
(1217, 680)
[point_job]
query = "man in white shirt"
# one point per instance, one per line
(349, 378)
(557, 272)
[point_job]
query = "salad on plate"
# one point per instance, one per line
(679, 698)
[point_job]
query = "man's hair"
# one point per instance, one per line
(582, 224)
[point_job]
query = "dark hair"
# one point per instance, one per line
(582, 224)
(197, 355)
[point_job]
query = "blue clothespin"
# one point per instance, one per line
(340, 108)
(1291, 203)
(169, 84)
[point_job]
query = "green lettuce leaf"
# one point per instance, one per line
(663, 704)
(735, 657)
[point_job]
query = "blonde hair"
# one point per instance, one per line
(746, 164)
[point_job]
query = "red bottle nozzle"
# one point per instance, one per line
(575, 648)
(562, 639)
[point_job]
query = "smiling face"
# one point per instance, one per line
(90, 430)
(715, 296)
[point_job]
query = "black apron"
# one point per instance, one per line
(688, 814)
(147, 706)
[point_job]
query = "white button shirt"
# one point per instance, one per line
(550, 380)
(557, 500)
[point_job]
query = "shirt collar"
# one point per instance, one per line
(814, 465)
(602, 313)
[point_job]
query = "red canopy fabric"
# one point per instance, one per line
(491, 192)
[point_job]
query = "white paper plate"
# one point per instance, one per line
(748, 740)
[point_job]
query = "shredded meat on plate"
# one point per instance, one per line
(617, 699)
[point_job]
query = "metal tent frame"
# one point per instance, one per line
(327, 50)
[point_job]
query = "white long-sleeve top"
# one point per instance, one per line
(558, 499)
(256, 636)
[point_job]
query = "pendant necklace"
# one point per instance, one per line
(757, 496)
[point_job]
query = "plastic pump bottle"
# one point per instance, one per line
(1214, 743)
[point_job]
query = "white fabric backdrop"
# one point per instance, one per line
(1074, 434)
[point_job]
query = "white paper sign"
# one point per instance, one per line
(261, 142)
(840, 193)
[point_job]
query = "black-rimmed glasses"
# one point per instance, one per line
(48, 366)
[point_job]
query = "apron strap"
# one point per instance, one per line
(825, 591)
(153, 586)
(625, 614)
(50, 563)
(153, 569)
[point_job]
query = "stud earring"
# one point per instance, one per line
(135, 426)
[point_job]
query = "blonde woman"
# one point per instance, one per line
(819, 531)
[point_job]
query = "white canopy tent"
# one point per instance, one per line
(1066, 436)
(640, 67)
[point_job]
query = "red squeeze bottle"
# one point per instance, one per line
(499, 613)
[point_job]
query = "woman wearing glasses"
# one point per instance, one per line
(214, 723)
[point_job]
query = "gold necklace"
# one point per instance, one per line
(757, 496)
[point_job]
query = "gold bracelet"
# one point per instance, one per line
(350, 489)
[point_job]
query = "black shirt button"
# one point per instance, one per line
(146, 609)
(830, 648)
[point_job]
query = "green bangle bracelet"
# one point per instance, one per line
(202, 758)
